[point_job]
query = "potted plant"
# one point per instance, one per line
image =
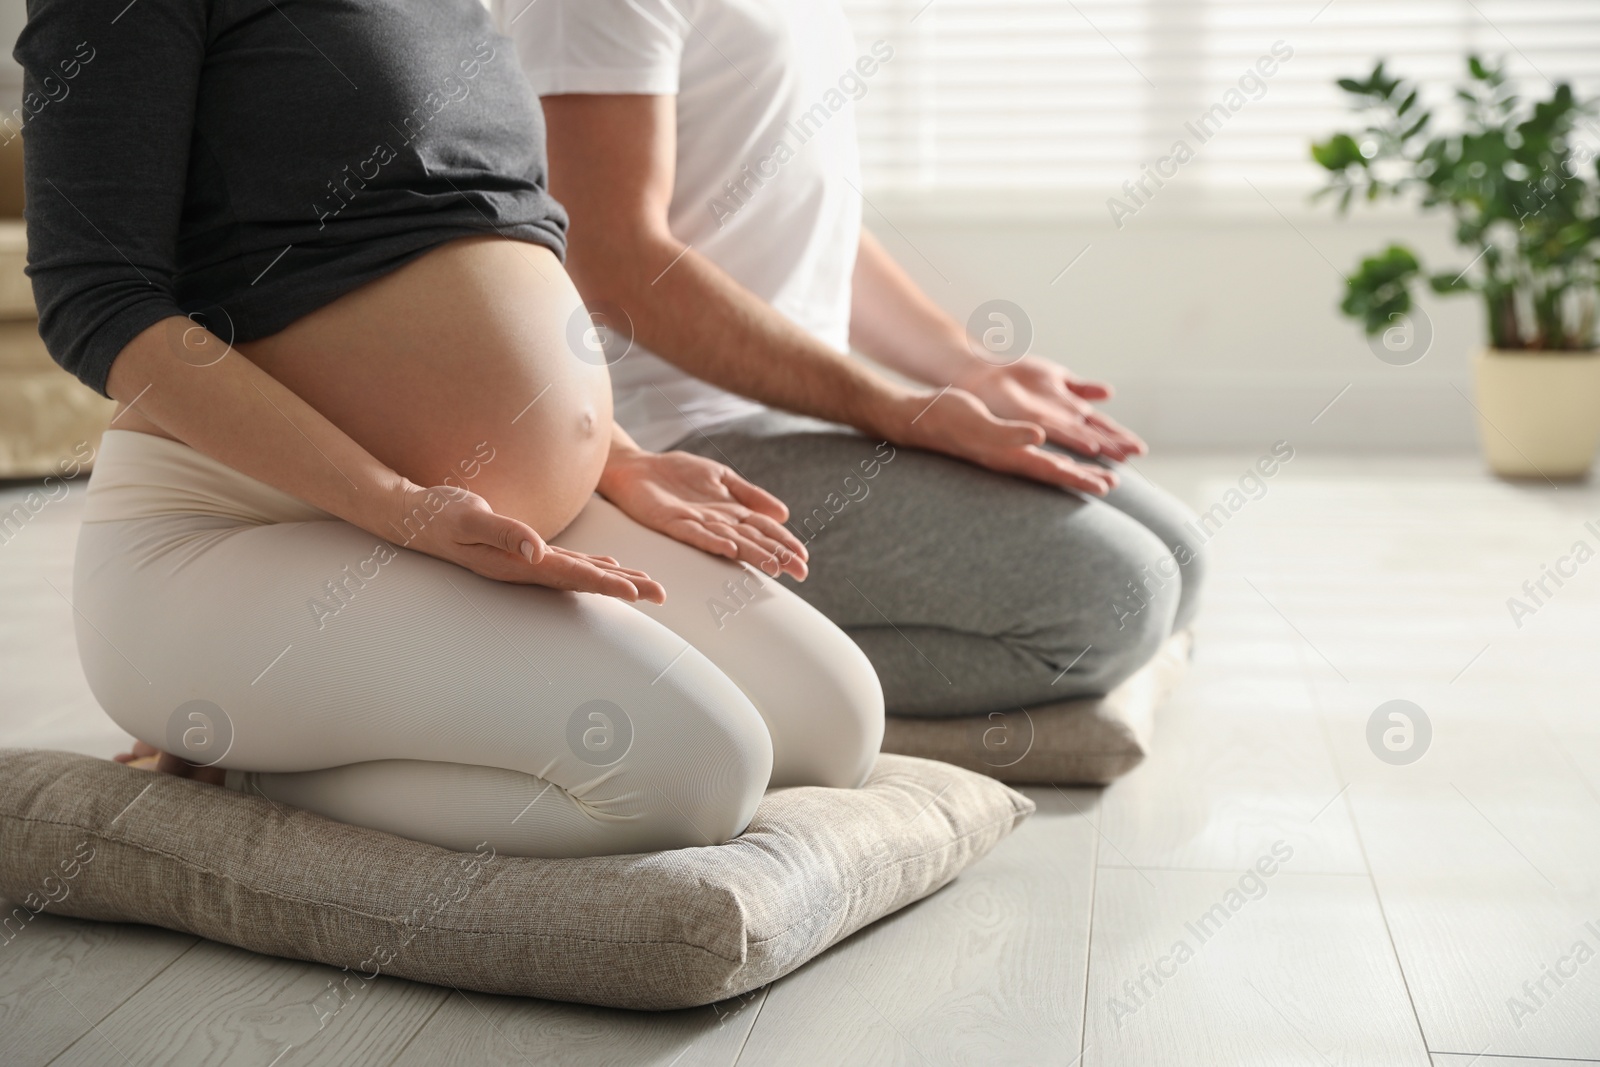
(1529, 218)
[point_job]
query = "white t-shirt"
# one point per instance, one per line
(767, 167)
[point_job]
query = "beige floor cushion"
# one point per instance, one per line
(94, 839)
(11, 199)
(50, 423)
(16, 290)
(1083, 742)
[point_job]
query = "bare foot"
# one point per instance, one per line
(149, 758)
(143, 756)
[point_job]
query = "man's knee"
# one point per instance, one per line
(1192, 560)
(1124, 609)
(1184, 534)
(1143, 594)
(1143, 612)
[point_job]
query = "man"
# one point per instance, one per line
(978, 537)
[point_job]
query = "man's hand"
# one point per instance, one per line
(705, 505)
(958, 424)
(1038, 391)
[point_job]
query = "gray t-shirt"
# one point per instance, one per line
(247, 161)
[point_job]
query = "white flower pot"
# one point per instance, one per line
(1538, 412)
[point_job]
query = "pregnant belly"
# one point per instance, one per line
(456, 370)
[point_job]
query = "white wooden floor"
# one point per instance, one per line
(1414, 904)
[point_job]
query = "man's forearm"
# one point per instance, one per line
(613, 164)
(894, 322)
(624, 451)
(687, 310)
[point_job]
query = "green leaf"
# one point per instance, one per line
(1338, 153)
(1508, 173)
(1381, 288)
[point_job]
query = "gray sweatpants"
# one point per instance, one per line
(971, 591)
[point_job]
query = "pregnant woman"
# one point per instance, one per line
(342, 543)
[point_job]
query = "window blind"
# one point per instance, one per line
(1073, 96)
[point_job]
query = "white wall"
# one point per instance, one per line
(1218, 326)
(1218, 330)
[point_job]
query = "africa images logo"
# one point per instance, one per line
(599, 732)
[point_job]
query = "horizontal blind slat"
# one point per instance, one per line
(1047, 95)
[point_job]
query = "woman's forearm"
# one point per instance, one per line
(231, 410)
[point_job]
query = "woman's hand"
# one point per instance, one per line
(1044, 393)
(460, 527)
(703, 504)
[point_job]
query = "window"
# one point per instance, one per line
(1070, 97)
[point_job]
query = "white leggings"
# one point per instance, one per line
(231, 624)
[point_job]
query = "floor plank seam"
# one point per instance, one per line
(1231, 870)
(754, 1022)
(1572, 764)
(1088, 948)
(1331, 753)
(1383, 913)
(194, 942)
(401, 1051)
(1514, 1056)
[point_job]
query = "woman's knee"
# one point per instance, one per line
(699, 756)
(816, 690)
(852, 730)
(835, 726)
(854, 716)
